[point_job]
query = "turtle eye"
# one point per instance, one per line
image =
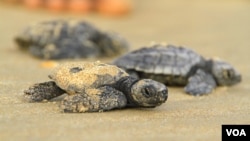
(148, 91)
(228, 74)
(164, 92)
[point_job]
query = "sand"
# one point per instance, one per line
(210, 27)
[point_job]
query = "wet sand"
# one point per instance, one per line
(212, 28)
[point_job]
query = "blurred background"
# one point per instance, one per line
(210, 27)
(206, 24)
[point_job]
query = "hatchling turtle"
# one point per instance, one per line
(59, 39)
(96, 86)
(179, 66)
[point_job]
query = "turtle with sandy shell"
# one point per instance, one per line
(96, 86)
(179, 66)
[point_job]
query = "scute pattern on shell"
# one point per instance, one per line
(160, 59)
(89, 75)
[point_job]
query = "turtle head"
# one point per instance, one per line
(224, 73)
(148, 93)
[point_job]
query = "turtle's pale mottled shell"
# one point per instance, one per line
(85, 77)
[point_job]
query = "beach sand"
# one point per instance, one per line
(211, 28)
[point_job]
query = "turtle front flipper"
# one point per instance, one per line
(94, 100)
(200, 83)
(43, 91)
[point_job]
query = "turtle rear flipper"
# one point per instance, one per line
(200, 83)
(94, 100)
(43, 91)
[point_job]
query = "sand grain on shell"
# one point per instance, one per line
(83, 79)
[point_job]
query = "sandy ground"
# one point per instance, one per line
(211, 27)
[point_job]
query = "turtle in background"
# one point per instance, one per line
(95, 86)
(179, 66)
(62, 39)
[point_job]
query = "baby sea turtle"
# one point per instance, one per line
(97, 86)
(59, 39)
(179, 66)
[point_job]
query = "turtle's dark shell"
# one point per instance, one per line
(179, 66)
(168, 64)
(59, 39)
